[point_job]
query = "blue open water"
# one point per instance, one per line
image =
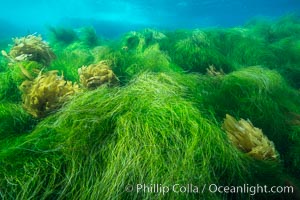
(113, 17)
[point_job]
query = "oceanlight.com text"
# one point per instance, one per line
(162, 189)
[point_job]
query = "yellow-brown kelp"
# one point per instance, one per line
(249, 139)
(30, 48)
(212, 71)
(97, 74)
(46, 93)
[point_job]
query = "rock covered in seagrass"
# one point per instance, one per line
(95, 75)
(249, 139)
(46, 93)
(30, 48)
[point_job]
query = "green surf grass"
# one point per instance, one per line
(196, 52)
(68, 62)
(264, 97)
(8, 88)
(293, 159)
(13, 120)
(158, 128)
(142, 133)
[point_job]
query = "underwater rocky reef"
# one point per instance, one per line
(153, 114)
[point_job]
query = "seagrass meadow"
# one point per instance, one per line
(84, 117)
